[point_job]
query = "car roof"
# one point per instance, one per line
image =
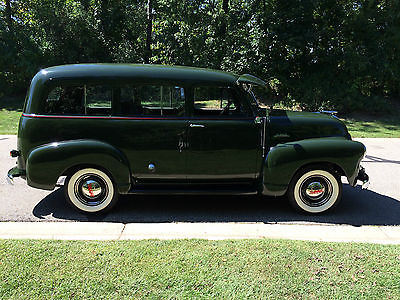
(137, 71)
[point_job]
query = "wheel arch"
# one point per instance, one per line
(324, 165)
(72, 169)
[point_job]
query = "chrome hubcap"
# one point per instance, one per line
(91, 189)
(315, 189)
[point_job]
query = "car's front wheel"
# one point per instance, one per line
(315, 190)
(90, 190)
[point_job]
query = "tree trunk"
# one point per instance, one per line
(149, 30)
(8, 14)
(225, 6)
(223, 32)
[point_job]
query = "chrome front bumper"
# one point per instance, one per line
(363, 177)
(15, 172)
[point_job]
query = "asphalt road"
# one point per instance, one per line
(379, 205)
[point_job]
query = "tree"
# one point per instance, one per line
(340, 54)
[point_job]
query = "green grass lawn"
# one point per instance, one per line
(374, 127)
(10, 111)
(9, 121)
(185, 269)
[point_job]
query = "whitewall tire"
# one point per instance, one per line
(91, 191)
(315, 191)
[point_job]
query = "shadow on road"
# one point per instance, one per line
(358, 207)
(375, 159)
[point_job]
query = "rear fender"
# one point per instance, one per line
(284, 160)
(46, 163)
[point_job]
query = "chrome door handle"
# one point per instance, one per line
(197, 125)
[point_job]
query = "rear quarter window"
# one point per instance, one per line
(79, 100)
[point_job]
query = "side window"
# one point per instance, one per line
(152, 100)
(65, 100)
(217, 101)
(79, 100)
(98, 100)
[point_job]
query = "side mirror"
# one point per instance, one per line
(262, 113)
(258, 120)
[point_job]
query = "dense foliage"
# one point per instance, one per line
(338, 54)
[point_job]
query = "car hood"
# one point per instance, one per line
(287, 126)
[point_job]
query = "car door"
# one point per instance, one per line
(153, 133)
(223, 138)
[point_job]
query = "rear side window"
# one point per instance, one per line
(79, 100)
(152, 100)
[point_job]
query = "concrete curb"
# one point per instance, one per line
(61, 230)
(209, 231)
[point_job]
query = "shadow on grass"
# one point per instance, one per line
(358, 207)
(12, 103)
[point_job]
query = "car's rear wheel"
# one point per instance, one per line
(315, 190)
(91, 191)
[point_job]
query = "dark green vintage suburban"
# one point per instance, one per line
(112, 129)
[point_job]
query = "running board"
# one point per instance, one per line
(191, 192)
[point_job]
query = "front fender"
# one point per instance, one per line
(284, 160)
(48, 162)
